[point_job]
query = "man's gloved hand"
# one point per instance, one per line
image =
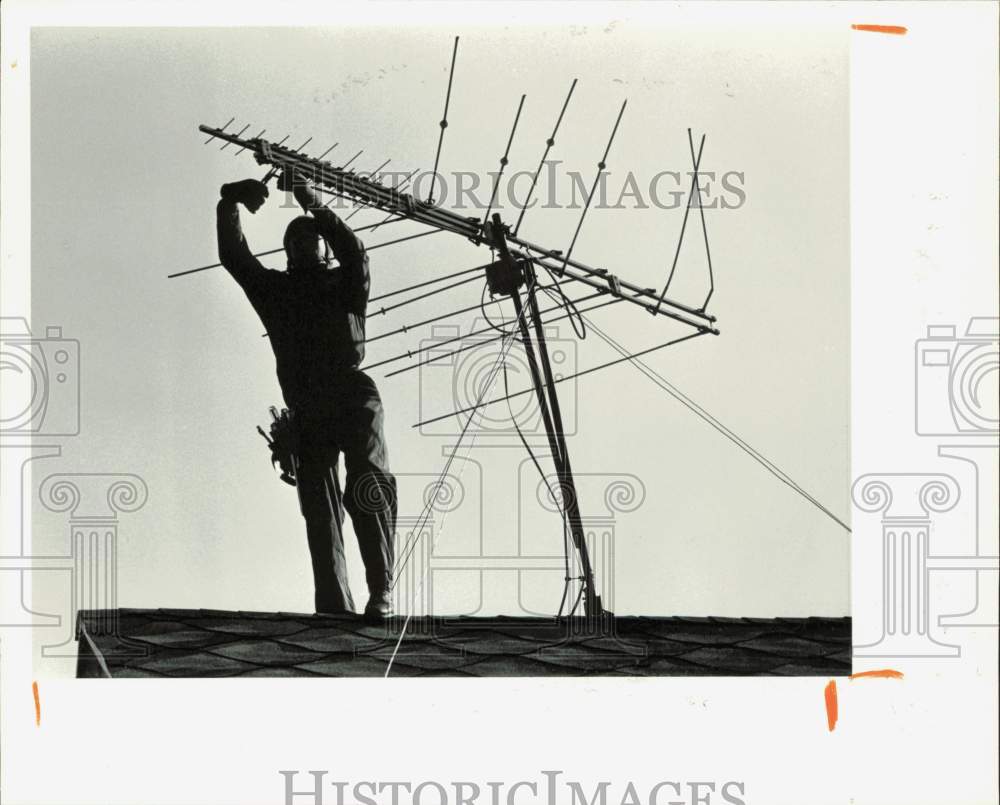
(296, 182)
(250, 193)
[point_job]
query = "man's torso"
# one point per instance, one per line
(317, 336)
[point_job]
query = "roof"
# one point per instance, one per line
(215, 643)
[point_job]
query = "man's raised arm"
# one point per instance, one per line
(346, 246)
(234, 253)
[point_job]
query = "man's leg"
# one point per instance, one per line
(370, 491)
(320, 503)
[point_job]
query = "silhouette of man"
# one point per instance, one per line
(314, 314)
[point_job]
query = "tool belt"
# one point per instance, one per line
(283, 443)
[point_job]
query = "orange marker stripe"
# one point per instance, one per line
(830, 696)
(899, 30)
(884, 673)
(38, 704)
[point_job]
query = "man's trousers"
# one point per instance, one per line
(350, 422)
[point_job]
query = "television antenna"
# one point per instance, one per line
(520, 271)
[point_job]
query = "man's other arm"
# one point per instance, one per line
(346, 246)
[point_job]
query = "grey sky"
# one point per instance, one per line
(175, 375)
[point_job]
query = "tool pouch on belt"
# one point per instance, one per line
(283, 442)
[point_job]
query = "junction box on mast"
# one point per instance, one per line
(505, 276)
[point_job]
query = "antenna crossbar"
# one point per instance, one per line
(361, 189)
(356, 187)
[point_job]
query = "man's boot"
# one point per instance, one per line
(379, 606)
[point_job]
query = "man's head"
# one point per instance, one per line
(304, 246)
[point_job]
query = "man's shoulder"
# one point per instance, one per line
(275, 276)
(266, 282)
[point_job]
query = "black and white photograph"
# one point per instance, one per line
(515, 432)
(542, 346)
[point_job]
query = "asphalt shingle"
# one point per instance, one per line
(196, 643)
